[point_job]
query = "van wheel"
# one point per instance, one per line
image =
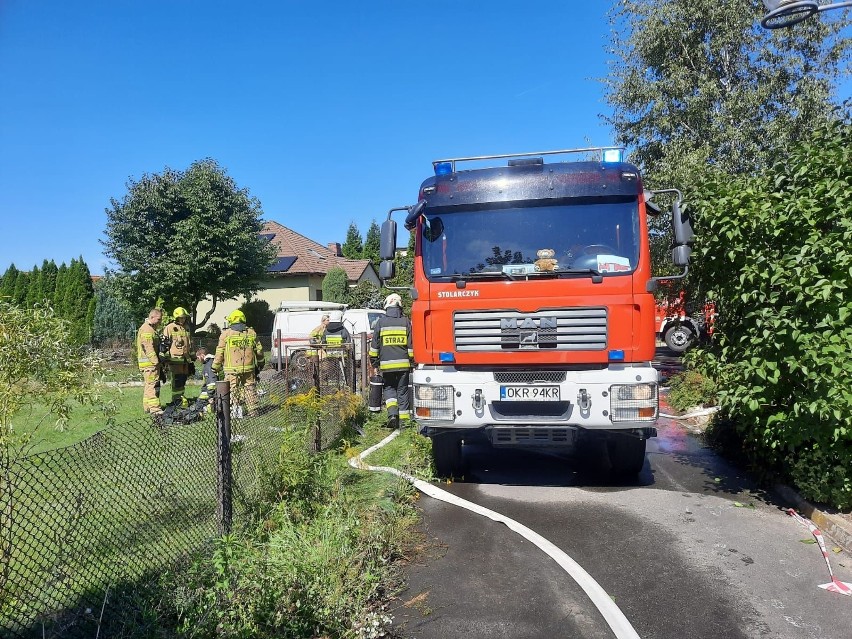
(679, 338)
(299, 362)
(447, 454)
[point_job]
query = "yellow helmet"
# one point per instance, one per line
(237, 317)
(180, 311)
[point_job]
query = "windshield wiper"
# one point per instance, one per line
(597, 276)
(483, 275)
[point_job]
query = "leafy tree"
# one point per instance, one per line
(112, 319)
(78, 302)
(354, 245)
(39, 365)
(699, 84)
(185, 237)
(773, 250)
(335, 285)
(364, 295)
(259, 316)
(373, 244)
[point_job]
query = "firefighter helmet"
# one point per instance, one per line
(237, 317)
(393, 300)
(179, 312)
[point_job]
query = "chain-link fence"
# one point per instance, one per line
(80, 524)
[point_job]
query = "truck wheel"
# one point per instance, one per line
(626, 455)
(679, 338)
(447, 454)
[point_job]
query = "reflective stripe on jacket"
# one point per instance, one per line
(238, 350)
(390, 348)
(147, 346)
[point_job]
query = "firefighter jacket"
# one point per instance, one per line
(239, 350)
(147, 346)
(181, 344)
(390, 349)
(336, 335)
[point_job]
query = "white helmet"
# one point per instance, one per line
(393, 300)
(335, 316)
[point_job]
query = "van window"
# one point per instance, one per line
(372, 318)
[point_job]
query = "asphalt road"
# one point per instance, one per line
(691, 548)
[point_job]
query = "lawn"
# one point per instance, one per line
(124, 402)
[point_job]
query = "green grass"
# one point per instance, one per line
(124, 404)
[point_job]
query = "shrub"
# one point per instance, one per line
(689, 389)
(774, 251)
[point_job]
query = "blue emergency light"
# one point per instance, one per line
(447, 357)
(443, 168)
(616, 356)
(613, 155)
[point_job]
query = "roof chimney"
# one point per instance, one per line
(334, 247)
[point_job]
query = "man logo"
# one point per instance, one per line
(527, 323)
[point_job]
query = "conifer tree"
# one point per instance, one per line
(19, 294)
(373, 244)
(48, 280)
(10, 278)
(353, 246)
(33, 288)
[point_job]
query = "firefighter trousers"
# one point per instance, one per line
(397, 393)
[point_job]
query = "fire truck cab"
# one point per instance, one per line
(533, 307)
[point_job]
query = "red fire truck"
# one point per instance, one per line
(533, 306)
(679, 329)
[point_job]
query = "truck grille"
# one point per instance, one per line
(520, 436)
(529, 377)
(562, 329)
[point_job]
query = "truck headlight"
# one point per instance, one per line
(633, 402)
(434, 402)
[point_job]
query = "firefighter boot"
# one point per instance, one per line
(393, 422)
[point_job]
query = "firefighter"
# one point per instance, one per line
(337, 339)
(391, 354)
(176, 335)
(147, 355)
(240, 355)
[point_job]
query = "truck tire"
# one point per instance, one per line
(679, 338)
(447, 454)
(626, 455)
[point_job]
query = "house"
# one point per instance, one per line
(298, 272)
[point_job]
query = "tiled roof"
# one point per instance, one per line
(311, 258)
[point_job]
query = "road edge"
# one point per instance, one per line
(835, 528)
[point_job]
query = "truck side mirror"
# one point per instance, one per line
(387, 250)
(387, 270)
(681, 226)
(681, 254)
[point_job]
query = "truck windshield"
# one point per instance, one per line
(532, 241)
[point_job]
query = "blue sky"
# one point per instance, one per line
(327, 112)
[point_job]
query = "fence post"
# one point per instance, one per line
(224, 475)
(365, 365)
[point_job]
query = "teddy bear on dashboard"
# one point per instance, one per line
(546, 261)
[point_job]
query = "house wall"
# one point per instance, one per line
(274, 291)
(306, 288)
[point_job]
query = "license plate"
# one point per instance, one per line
(529, 393)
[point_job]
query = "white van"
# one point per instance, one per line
(360, 321)
(292, 327)
(295, 321)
